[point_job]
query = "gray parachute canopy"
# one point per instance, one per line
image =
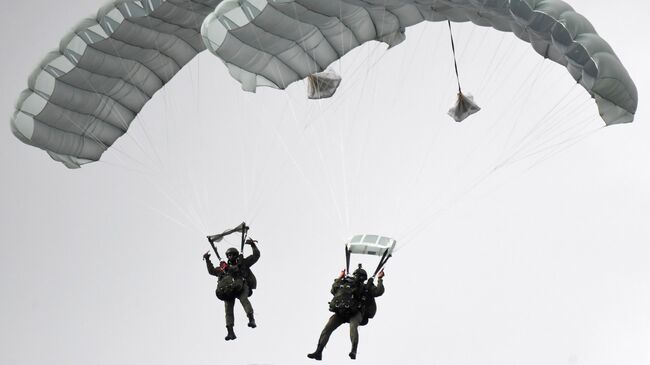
(85, 95)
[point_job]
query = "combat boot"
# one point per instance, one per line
(318, 354)
(353, 352)
(231, 333)
(251, 321)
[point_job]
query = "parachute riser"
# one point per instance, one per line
(382, 262)
(216, 252)
(347, 260)
(243, 228)
(244, 233)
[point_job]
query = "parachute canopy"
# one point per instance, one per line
(274, 43)
(371, 244)
(84, 96)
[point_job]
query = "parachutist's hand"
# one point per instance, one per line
(223, 265)
(342, 274)
(381, 274)
(206, 256)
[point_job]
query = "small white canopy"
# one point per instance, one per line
(371, 244)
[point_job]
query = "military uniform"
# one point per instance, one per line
(240, 268)
(366, 293)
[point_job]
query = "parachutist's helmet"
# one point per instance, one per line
(360, 274)
(232, 253)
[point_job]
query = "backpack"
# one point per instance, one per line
(229, 287)
(346, 299)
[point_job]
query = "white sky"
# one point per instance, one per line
(548, 264)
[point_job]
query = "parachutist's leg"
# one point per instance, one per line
(354, 333)
(334, 322)
(230, 319)
(248, 308)
(230, 312)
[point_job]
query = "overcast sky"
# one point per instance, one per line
(518, 243)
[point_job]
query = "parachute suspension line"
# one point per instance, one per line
(549, 143)
(519, 146)
(565, 145)
(428, 219)
(402, 80)
(170, 218)
(460, 167)
(319, 150)
(344, 133)
(329, 180)
(369, 88)
(174, 181)
(512, 71)
(521, 105)
(350, 80)
(200, 208)
(492, 65)
(453, 50)
(137, 118)
(295, 163)
(194, 220)
(480, 46)
(259, 184)
(427, 157)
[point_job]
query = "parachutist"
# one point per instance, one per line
(354, 303)
(236, 281)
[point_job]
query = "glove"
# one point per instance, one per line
(206, 256)
(250, 241)
(381, 274)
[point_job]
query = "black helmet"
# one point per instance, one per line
(232, 252)
(360, 274)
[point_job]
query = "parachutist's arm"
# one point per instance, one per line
(211, 269)
(379, 289)
(335, 285)
(252, 259)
